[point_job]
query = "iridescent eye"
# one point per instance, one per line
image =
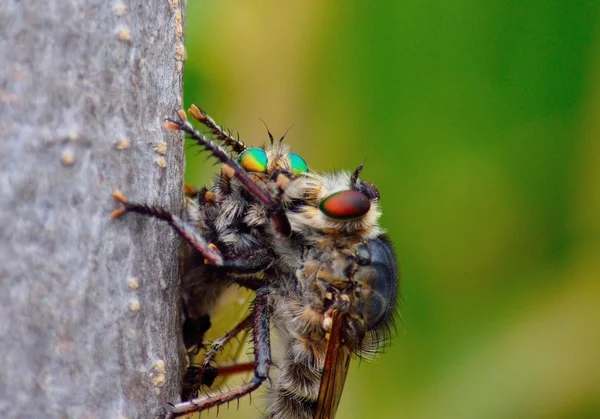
(345, 205)
(253, 160)
(299, 165)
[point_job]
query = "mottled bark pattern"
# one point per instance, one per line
(88, 305)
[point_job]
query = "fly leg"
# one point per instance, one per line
(218, 344)
(274, 208)
(262, 362)
(221, 134)
(189, 233)
(196, 377)
(205, 374)
(185, 230)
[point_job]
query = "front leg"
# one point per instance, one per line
(186, 230)
(274, 208)
(189, 232)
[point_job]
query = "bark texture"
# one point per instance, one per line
(88, 305)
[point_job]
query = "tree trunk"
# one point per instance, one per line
(89, 322)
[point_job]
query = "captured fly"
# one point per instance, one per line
(309, 250)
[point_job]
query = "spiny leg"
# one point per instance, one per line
(204, 375)
(190, 234)
(235, 143)
(234, 368)
(219, 153)
(218, 344)
(185, 230)
(195, 377)
(274, 209)
(262, 362)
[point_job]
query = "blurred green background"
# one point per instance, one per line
(480, 120)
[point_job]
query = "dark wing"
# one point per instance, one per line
(335, 371)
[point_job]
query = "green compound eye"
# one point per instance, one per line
(345, 205)
(253, 160)
(299, 165)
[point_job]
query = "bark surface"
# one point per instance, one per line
(88, 305)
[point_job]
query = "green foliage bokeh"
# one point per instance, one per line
(477, 120)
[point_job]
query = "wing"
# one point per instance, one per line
(337, 361)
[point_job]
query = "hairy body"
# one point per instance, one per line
(310, 246)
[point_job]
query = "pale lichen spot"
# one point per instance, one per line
(159, 366)
(67, 157)
(161, 162)
(178, 30)
(161, 148)
(158, 375)
(134, 304)
(133, 283)
(123, 34)
(122, 143)
(180, 51)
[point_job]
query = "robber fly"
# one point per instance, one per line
(307, 245)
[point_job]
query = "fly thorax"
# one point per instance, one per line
(358, 281)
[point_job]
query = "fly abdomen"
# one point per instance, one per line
(295, 389)
(295, 393)
(286, 405)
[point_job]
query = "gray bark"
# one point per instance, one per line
(84, 88)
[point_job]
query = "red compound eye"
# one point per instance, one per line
(345, 205)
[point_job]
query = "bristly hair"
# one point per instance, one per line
(310, 247)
